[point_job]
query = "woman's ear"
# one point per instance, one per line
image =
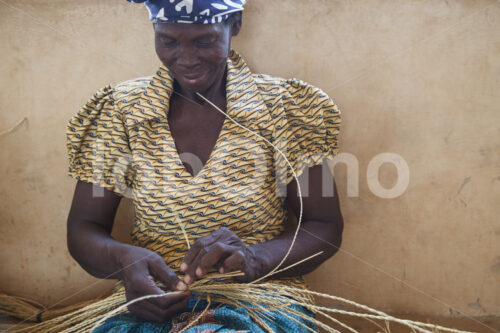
(236, 25)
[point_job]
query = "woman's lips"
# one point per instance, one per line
(193, 78)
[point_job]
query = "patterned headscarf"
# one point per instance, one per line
(191, 11)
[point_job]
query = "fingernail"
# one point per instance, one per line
(181, 286)
(183, 267)
(199, 272)
(221, 270)
(187, 279)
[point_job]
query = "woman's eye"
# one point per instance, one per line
(205, 42)
(169, 43)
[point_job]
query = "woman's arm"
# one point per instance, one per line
(321, 231)
(89, 227)
(89, 241)
(321, 228)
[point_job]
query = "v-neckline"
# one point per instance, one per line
(244, 105)
(185, 172)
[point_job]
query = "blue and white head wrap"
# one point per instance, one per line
(191, 11)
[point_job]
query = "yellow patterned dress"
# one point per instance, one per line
(121, 140)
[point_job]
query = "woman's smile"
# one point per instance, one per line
(196, 54)
(193, 78)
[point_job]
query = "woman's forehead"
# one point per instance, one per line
(188, 30)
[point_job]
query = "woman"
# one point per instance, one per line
(225, 199)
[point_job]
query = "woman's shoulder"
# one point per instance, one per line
(111, 100)
(114, 100)
(297, 98)
(128, 91)
(307, 121)
(97, 137)
(293, 89)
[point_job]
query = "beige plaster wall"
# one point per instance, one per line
(416, 78)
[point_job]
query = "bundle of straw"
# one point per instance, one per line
(259, 299)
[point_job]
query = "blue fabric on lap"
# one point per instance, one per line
(230, 319)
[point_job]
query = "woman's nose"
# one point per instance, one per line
(188, 57)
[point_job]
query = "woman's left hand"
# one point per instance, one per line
(224, 251)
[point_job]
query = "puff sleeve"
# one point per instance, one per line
(98, 146)
(310, 132)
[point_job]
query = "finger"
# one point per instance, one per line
(152, 309)
(209, 256)
(160, 271)
(146, 311)
(235, 262)
(190, 274)
(188, 258)
(177, 307)
(199, 248)
(175, 297)
(142, 285)
(176, 302)
(145, 285)
(169, 300)
(215, 255)
(199, 244)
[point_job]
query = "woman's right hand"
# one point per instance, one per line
(90, 222)
(140, 268)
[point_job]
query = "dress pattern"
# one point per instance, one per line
(121, 140)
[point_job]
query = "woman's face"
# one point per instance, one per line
(195, 53)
